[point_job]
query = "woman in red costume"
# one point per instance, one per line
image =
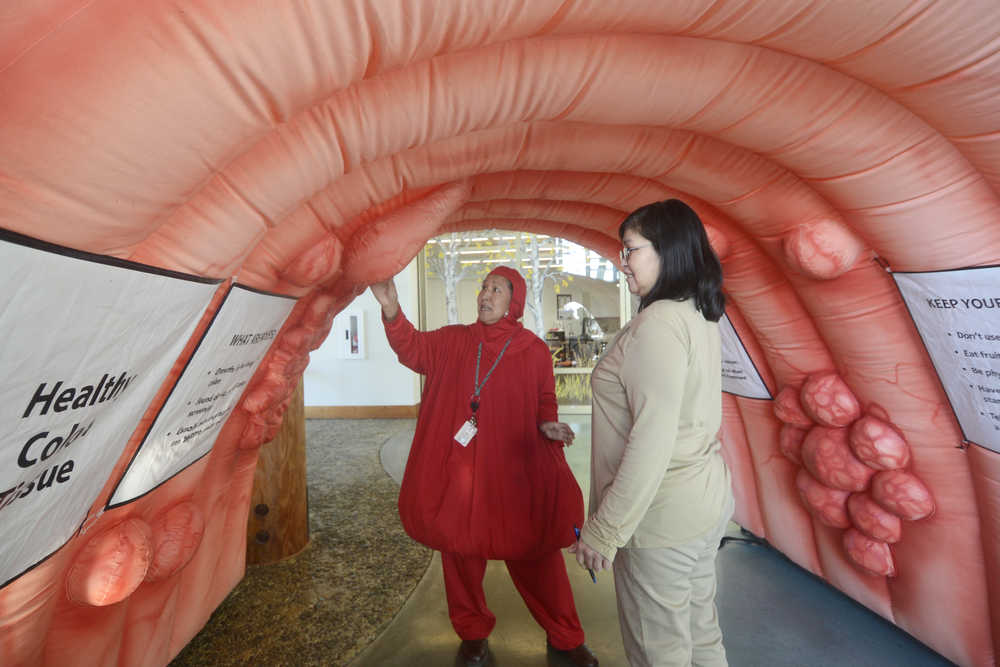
(486, 477)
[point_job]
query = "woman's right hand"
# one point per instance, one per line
(589, 557)
(385, 293)
(557, 431)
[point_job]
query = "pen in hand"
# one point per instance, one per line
(593, 577)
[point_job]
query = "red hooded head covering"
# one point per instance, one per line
(520, 289)
(495, 335)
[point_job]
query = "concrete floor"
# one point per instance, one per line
(362, 594)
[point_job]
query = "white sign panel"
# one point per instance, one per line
(739, 375)
(349, 331)
(958, 316)
(87, 342)
(208, 390)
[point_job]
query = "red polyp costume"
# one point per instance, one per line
(509, 494)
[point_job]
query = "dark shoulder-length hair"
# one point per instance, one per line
(689, 267)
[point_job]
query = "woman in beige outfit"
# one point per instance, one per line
(660, 495)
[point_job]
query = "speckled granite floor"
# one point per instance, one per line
(325, 604)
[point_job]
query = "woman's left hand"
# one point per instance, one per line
(557, 431)
(588, 557)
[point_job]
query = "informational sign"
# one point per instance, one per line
(958, 316)
(739, 375)
(87, 342)
(207, 391)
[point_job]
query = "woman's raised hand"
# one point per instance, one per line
(385, 293)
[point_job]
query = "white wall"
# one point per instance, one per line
(599, 296)
(379, 378)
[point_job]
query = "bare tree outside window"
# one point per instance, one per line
(458, 256)
(537, 273)
(448, 258)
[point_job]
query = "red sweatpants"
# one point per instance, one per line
(543, 584)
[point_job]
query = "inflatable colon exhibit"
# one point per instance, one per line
(852, 474)
(191, 191)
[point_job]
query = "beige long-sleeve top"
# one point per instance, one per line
(657, 474)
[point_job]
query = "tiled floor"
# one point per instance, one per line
(393, 611)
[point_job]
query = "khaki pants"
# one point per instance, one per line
(666, 603)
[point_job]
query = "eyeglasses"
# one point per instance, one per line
(623, 255)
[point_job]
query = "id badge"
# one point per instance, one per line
(466, 433)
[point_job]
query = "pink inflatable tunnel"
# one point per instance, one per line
(168, 167)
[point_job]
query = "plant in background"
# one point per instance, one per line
(573, 388)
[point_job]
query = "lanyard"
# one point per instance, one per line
(474, 403)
